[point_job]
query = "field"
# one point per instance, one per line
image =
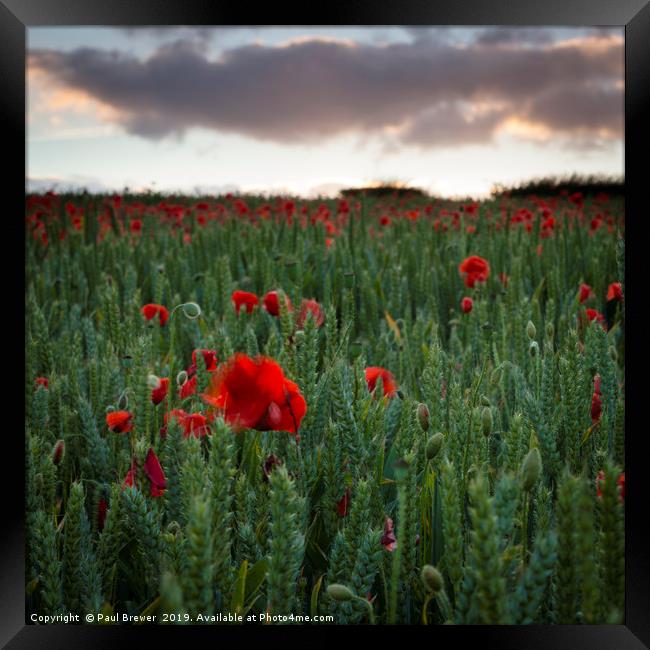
(393, 410)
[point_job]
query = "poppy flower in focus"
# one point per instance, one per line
(160, 390)
(119, 421)
(615, 292)
(466, 305)
(585, 292)
(155, 474)
(150, 310)
(272, 305)
(42, 381)
(310, 306)
(343, 503)
(474, 269)
(244, 299)
(390, 385)
(388, 539)
(255, 394)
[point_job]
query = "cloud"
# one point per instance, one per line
(427, 93)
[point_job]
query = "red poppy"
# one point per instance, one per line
(615, 292)
(385, 220)
(390, 385)
(621, 484)
(209, 358)
(136, 225)
(155, 474)
(388, 539)
(119, 421)
(585, 292)
(150, 310)
(596, 408)
(504, 279)
(159, 392)
(592, 314)
(343, 503)
(57, 454)
(102, 506)
(474, 269)
(466, 305)
(310, 306)
(246, 299)
(42, 381)
(272, 305)
(255, 394)
(195, 423)
(129, 479)
(188, 388)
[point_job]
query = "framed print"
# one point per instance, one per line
(326, 323)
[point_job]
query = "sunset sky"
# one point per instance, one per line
(307, 110)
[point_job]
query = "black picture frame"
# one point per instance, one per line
(17, 15)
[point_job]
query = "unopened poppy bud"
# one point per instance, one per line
(531, 469)
(486, 421)
(181, 377)
(153, 381)
(531, 330)
(533, 350)
(401, 468)
(349, 279)
(434, 445)
(423, 416)
(58, 452)
(339, 592)
(432, 579)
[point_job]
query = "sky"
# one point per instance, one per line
(310, 110)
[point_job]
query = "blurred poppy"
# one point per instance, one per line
(244, 299)
(390, 385)
(119, 421)
(474, 269)
(466, 305)
(615, 292)
(310, 306)
(272, 305)
(154, 473)
(150, 310)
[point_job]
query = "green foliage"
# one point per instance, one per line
(485, 457)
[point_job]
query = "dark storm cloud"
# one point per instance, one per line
(314, 89)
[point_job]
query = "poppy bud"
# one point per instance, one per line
(127, 361)
(349, 279)
(533, 350)
(432, 579)
(153, 382)
(339, 592)
(423, 416)
(401, 467)
(299, 336)
(58, 452)
(531, 330)
(531, 469)
(434, 445)
(486, 421)
(485, 401)
(181, 377)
